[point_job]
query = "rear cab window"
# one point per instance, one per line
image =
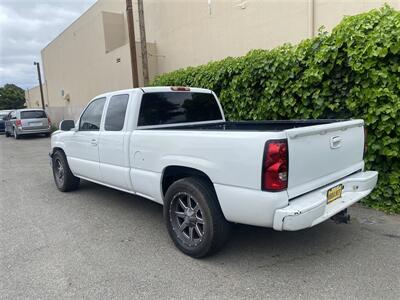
(116, 111)
(33, 114)
(161, 108)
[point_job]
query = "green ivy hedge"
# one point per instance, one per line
(353, 72)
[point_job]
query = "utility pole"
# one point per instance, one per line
(145, 66)
(132, 43)
(40, 82)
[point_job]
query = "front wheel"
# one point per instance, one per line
(7, 134)
(63, 177)
(194, 218)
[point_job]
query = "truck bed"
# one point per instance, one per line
(273, 125)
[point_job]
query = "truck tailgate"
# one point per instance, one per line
(322, 154)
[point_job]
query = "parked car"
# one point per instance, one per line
(3, 115)
(27, 121)
(173, 146)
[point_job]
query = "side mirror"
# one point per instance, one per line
(67, 125)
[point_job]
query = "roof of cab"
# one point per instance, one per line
(29, 109)
(153, 89)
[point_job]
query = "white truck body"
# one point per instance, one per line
(135, 159)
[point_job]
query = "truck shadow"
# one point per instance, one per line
(248, 244)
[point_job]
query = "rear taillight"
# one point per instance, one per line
(18, 122)
(275, 166)
(48, 119)
(365, 141)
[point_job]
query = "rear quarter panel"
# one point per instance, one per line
(228, 158)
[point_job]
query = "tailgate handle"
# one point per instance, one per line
(336, 142)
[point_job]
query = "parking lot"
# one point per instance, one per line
(101, 243)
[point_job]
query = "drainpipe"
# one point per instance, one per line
(311, 19)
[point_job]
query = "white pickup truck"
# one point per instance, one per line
(172, 145)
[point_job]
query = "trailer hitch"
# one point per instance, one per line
(341, 217)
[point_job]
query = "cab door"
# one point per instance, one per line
(83, 145)
(114, 143)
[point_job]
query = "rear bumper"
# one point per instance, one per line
(33, 131)
(312, 208)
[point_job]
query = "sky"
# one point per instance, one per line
(26, 27)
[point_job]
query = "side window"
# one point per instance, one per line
(116, 110)
(91, 117)
(13, 115)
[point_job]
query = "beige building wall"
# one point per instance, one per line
(33, 98)
(92, 55)
(189, 33)
(88, 58)
(195, 32)
(330, 12)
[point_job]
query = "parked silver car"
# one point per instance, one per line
(3, 116)
(27, 121)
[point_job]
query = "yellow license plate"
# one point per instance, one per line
(334, 193)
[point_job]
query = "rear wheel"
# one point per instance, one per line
(7, 134)
(63, 177)
(194, 219)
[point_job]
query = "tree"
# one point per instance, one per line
(11, 97)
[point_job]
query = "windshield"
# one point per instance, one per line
(2, 116)
(33, 114)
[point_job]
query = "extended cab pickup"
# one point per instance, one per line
(172, 145)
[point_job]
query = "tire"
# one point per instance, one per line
(48, 134)
(16, 136)
(63, 177)
(7, 134)
(203, 214)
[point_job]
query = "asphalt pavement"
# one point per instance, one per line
(99, 243)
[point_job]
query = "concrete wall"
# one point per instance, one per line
(92, 55)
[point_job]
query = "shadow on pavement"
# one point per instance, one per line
(246, 242)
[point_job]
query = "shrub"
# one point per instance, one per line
(353, 72)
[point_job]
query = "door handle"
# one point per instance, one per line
(93, 142)
(336, 142)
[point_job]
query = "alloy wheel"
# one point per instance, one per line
(59, 171)
(186, 217)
